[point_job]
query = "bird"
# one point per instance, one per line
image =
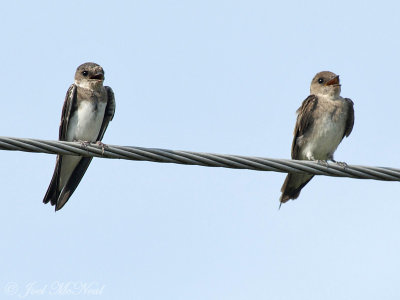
(323, 120)
(88, 108)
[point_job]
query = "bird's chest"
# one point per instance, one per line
(328, 129)
(330, 124)
(86, 122)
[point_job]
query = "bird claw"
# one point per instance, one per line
(103, 146)
(84, 144)
(323, 163)
(341, 164)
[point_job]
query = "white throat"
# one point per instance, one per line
(89, 84)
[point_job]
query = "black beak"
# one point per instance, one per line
(98, 76)
(333, 81)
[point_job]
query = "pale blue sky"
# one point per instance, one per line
(210, 76)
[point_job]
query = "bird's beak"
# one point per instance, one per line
(333, 81)
(98, 76)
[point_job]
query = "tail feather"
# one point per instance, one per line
(73, 182)
(57, 195)
(52, 191)
(292, 186)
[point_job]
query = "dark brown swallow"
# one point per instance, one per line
(323, 120)
(88, 108)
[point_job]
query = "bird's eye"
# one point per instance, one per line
(85, 73)
(320, 80)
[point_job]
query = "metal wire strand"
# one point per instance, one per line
(197, 158)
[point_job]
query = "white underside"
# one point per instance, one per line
(84, 125)
(327, 131)
(325, 140)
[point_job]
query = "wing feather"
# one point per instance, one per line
(304, 121)
(109, 112)
(350, 118)
(69, 104)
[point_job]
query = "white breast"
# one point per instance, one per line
(84, 125)
(86, 122)
(325, 136)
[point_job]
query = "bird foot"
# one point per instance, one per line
(103, 146)
(84, 144)
(323, 163)
(341, 164)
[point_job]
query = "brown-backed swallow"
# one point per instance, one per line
(88, 108)
(323, 120)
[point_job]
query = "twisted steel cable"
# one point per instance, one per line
(197, 158)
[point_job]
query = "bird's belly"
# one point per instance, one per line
(324, 139)
(85, 124)
(68, 165)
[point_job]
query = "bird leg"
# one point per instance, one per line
(323, 163)
(340, 163)
(103, 146)
(84, 144)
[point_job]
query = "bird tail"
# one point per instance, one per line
(59, 196)
(292, 186)
(73, 182)
(52, 191)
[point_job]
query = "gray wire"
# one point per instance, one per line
(197, 158)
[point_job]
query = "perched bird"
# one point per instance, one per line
(88, 108)
(323, 120)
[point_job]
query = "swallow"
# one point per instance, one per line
(323, 120)
(88, 108)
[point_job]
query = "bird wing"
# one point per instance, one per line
(350, 118)
(109, 112)
(304, 121)
(69, 104)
